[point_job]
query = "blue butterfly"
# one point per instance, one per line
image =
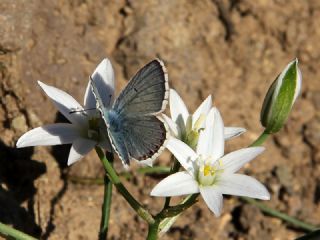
(133, 126)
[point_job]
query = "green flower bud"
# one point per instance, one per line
(280, 98)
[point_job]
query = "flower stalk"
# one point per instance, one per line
(286, 218)
(260, 140)
(106, 206)
(167, 216)
(175, 168)
(9, 232)
(114, 178)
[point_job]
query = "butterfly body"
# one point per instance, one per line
(112, 120)
(133, 126)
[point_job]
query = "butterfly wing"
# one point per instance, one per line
(142, 133)
(146, 93)
(144, 137)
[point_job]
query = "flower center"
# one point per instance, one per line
(193, 130)
(209, 172)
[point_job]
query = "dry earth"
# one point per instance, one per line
(231, 49)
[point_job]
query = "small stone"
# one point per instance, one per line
(7, 137)
(33, 119)
(312, 132)
(285, 177)
(19, 124)
(303, 111)
(61, 61)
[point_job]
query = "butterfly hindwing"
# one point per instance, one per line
(118, 142)
(144, 136)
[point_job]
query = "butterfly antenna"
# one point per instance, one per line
(82, 110)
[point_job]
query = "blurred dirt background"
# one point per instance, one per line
(231, 49)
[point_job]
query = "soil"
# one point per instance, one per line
(230, 49)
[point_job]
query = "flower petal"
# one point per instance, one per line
(103, 76)
(231, 132)
(298, 83)
(242, 185)
(204, 108)
(211, 139)
(178, 110)
(180, 183)
(65, 103)
(173, 127)
(79, 148)
(53, 134)
(183, 153)
(148, 162)
(213, 199)
(233, 161)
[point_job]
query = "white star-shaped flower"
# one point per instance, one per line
(209, 171)
(87, 128)
(186, 126)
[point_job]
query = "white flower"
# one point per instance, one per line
(208, 171)
(186, 126)
(86, 129)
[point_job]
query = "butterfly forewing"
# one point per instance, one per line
(146, 93)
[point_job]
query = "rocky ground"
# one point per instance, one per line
(231, 49)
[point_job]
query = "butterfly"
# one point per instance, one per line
(133, 126)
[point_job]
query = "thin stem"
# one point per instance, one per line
(114, 178)
(272, 212)
(167, 216)
(260, 140)
(175, 210)
(175, 168)
(106, 206)
(154, 170)
(264, 208)
(9, 232)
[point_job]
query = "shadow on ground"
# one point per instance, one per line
(17, 175)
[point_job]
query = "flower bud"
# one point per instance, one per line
(280, 98)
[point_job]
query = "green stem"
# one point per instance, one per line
(11, 233)
(272, 212)
(114, 178)
(295, 222)
(175, 210)
(166, 218)
(260, 140)
(153, 230)
(175, 168)
(154, 170)
(106, 206)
